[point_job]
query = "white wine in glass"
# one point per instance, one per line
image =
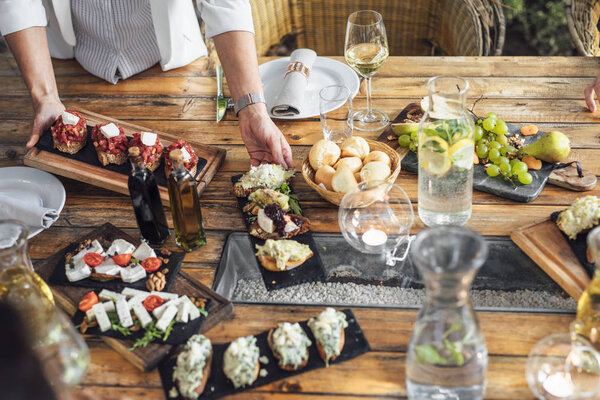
(366, 50)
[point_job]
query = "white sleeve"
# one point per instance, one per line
(222, 16)
(16, 15)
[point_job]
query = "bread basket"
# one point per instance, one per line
(334, 197)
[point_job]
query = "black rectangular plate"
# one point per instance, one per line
(179, 335)
(88, 155)
(311, 271)
(59, 277)
(579, 247)
(218, 385)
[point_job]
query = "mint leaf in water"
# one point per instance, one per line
(428, 354)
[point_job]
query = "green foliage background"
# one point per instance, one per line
(542, 23)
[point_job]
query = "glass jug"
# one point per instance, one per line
(446, 152)
(62, 351)
(447, 357)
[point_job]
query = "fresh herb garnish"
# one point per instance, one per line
(293, 202)
(150, 335)
(203, 311)
(116, 325)
(450, 353)
(134, 261)
(168, 330)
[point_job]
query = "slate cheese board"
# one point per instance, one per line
(481, 181)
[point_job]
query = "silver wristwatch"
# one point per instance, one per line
(247, 99)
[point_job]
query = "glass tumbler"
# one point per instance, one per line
(335, 108)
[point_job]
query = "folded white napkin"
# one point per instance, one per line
(27, 211)
(290, 97)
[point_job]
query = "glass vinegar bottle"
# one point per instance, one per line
(185, 205)
(145, 197)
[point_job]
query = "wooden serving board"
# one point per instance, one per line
(145, 359)
(105, 178)
(546, 245)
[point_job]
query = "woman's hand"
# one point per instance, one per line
(46, 110)
(594, 88)
(264, 141)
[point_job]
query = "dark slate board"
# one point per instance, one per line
(481, 181)
(59, 276)
(219, 386)
(88, 155)
(179, 335)
(579, 247)
(310, 271)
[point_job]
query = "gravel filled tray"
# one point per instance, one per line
(218, 385)
(310, 271)
(509, 280)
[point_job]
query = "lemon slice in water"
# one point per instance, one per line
(461, 153)
(433, 155)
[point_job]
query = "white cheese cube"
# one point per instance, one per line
(69, 119)
(110, 130)
(290, 227)
(137, 299)
(265, 222)
(131, 292)
(158, 311)
(108, 267)
(78, 272)
(123, 313)
(186, 155)
(102, 318)
(194, 312)
(130, 275)
(165, 295)
(95, 247)
(120, 246)
(110, 295)
(166, 318)
(143, 251)
(183, 312)
(109, 306)
(148, 138)
(142, 314)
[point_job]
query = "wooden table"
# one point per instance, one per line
(545, 91)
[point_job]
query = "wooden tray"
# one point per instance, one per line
(98, 176)
(67, 297)
(546, 245)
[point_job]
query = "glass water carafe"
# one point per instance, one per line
(446, 153)
(61, 350)
(588, 306)
(447, 357)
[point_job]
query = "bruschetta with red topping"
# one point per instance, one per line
(150, 148)
(190, 159)
(69, 132)
(111, 143)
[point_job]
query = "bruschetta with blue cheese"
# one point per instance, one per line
(240, 361)
(289, 345)
(328, 330)
(192, 368)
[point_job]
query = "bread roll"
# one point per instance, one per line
(355, 146)
(324, 175)
(354, 163)
(324, 152)
(343, 180)
(377, 155)
(375, 171)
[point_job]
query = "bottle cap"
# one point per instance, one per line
(134, 151)
(176, 156)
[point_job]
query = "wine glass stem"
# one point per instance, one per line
(368, 87)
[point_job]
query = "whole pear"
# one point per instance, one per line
(552, 147)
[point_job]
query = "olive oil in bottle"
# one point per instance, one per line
(185, 205)
(588, 306)
(146, 202)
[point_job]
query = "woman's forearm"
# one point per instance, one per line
(30, 49)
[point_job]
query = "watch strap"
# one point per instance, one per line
(247, 99)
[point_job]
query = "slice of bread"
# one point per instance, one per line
(205, 375)
(106, 158)
(323, 354)
(270, 264)
(257, 231)
(153, 165)
(103, 277)
(285, 367)
(71, 148)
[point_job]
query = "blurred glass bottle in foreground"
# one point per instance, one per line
(63, 352)
(185, 205)
(146, 202)
(588, 307)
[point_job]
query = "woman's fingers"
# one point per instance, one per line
(589, 97)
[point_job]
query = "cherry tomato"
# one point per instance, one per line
(87, 301)
(93, 259)
(151, 264)
(152, 301)
(122, 259)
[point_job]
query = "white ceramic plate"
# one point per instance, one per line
(325, 72)
(33, 186)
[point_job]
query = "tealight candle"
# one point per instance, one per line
(558, 385)
(374, 237)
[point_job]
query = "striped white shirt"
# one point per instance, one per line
(115, 38)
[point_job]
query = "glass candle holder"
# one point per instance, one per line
(375, 218)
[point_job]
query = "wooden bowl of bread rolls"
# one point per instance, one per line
(333, 170)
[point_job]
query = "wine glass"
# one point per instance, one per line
(366, 50)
